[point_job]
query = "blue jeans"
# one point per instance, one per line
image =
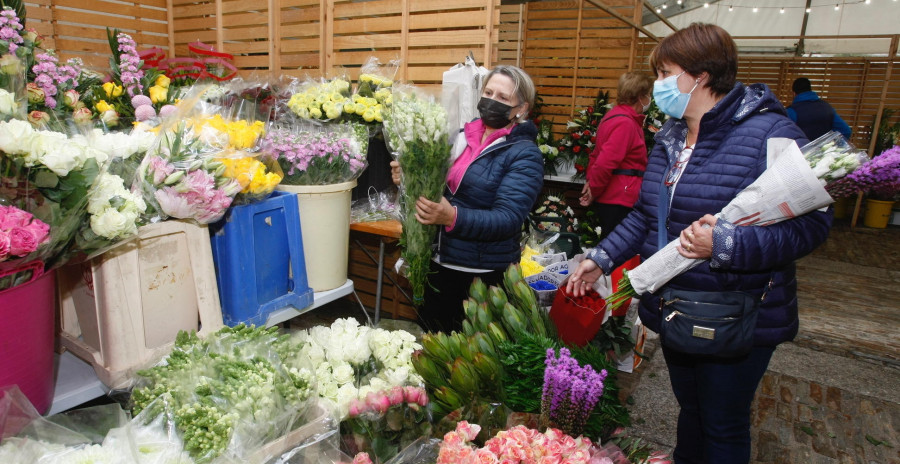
(715, 396)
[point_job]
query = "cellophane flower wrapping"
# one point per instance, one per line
(353, 360)
(415, 128)
(798, 180)
(182, 175)
(228, 395)
(50, 175)
(317, 154)
(385, 422)
(373, 93)
(97, 434)
(114, 210)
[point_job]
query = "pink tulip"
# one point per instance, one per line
(377, 402)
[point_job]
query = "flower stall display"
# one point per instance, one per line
(878, 177)
(552, 214)
(352, 361)
(576, 146)
(386, 422)
(323, 100)
(226, 395)
(415, 130)
(796, 181)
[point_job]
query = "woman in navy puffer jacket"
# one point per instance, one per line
(713, 147)
(496, 174)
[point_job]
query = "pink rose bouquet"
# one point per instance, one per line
(20, 233)
(384, 423)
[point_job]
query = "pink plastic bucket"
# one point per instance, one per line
(26, 335)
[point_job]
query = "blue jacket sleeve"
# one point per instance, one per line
(792, 114)
(839, 125)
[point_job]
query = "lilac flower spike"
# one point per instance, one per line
(571, 392)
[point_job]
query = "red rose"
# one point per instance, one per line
(586, 133)
(576, 148)
(576, 135)
(537, 121)
(579, 168)
(590, 109)
(593, 139)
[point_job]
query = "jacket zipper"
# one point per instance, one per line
(699, 318)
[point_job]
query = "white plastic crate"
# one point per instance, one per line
(123, 309)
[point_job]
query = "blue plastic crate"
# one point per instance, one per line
(258, 254)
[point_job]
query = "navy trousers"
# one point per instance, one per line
(715, 396)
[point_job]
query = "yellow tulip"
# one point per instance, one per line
(163, 81)
(108, 88)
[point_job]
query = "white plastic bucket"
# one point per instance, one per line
(325, 227)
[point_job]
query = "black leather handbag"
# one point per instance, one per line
(716, 324)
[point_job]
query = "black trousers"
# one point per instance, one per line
(442, 310)
(608, 216)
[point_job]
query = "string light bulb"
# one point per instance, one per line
(706, 5)
(755, 9)
(782, 11)
(868, 2)
(730, 8)
(665, 6)
(808, 10)
(658, 10)
(678, 2)
(837, 7)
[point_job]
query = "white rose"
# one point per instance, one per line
(345, 394)
(328, 390)
(59, 156)
(12, 135)
(7, 103)
(342, 373)
(316, 354)
(397, 376)
(110, 224)
(378, 384)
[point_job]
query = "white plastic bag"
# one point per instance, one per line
(460, 93)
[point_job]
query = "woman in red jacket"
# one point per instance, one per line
(617, 164)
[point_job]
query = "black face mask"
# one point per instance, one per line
(494, 114)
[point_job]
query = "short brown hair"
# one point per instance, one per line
(701, 48)
(633, 86)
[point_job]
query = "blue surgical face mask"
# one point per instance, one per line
(669, 98)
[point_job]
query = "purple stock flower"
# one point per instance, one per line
(571, 392)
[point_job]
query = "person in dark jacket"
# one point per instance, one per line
(616, 165)
(496, 174)
(713, 147)
(814, 115)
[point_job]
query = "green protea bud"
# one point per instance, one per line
(489, 370)
(513, 319)
(463, 377)
(496, 332)
(469, 308)
(482, 317)
(433, 373)
(434, 348)
(478, 290)
(498, 300)
(468, 329)
(482, 343)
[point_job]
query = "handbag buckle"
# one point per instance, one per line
(703, 332)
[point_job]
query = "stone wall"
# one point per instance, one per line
(797, 421)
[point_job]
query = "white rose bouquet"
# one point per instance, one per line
(352, 361)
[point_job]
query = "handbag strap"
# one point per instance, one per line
(663, 215)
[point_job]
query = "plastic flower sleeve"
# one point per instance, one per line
(317, 154)
(415, 129)
(227, 396)
(385, 422)
(49, 175)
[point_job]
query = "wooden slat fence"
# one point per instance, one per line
(571, 49)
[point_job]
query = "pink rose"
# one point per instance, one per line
(395, 396)
(82, 115)
(362, 458)
(21, 241)
(10, 217)
(356, 408)
(4, 246)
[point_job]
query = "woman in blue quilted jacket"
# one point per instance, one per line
(711, 148)
(496, 174)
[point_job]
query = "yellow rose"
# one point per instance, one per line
(117, 91)
(108, 88)
(163, 81)
(102, 106)
(369, 115)
(158, 94)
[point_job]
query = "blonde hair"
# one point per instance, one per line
(524, 89)
(633, 86)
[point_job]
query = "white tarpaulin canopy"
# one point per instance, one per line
(784, 18)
